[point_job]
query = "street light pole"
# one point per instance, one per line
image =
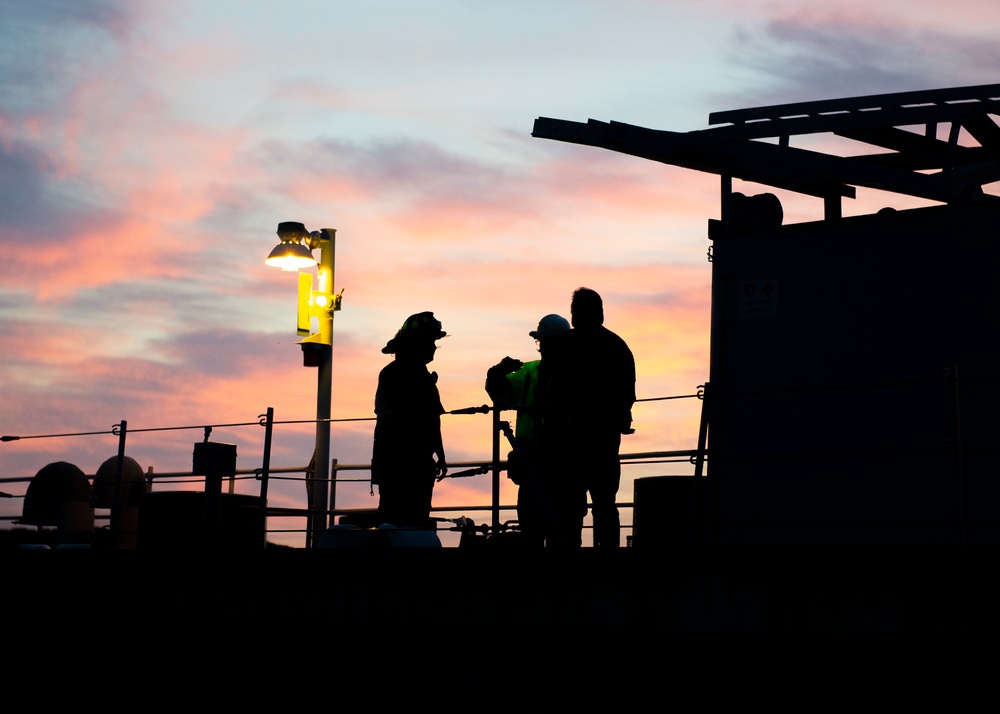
(294, 252)
(324, 386)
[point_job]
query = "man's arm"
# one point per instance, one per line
(498, 386)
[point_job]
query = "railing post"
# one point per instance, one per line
(333, 490)
(265, 468)
(496, 469)
(116, 503)
(701, 500)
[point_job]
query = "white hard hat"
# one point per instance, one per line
(550, 325)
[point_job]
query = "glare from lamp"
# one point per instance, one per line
(291, 256)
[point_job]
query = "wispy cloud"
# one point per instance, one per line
(853, 50)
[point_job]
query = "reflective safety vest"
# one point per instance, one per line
(518, 390)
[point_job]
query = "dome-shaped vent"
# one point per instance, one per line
(133, 483)
(54, 486)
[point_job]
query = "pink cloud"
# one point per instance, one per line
(92, 257)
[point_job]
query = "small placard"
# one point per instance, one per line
(759, 298)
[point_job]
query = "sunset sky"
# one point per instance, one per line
(149, 150)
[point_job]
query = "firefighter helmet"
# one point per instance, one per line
(420, 327)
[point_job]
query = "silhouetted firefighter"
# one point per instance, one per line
(408, 427)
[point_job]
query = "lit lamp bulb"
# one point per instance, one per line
(290, 256)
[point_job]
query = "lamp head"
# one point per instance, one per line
(290, 254)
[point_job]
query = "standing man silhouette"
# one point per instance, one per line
(603, 379)
(408, 425)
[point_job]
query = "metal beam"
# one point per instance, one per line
(737, 149)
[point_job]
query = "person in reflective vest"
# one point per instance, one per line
(513, 384)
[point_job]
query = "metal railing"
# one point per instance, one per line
(322, 507)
